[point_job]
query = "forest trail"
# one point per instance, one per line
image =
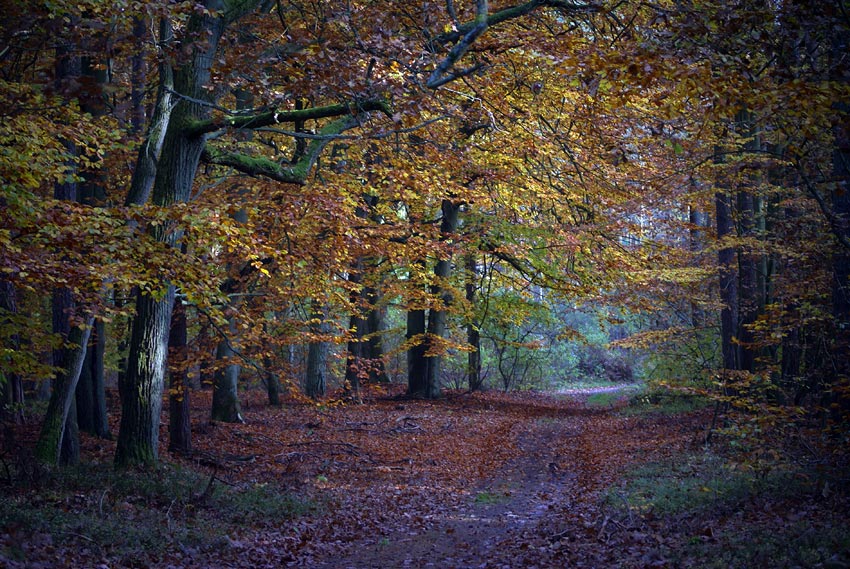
(487, 480)
(505, 481)
(539, 508)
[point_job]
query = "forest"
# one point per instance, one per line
(340, 283)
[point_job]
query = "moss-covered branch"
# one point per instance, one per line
(269, 118)
(288, 173)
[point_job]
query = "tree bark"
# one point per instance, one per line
(225, 401)
(56, 425)
(473, 333)
(179, 423)
(141, 390)
(728, 282)
(315, 382)
(424, 361)
(358, 328)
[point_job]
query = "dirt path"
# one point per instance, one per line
(539, 508)
(472, 533)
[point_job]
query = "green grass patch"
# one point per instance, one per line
(488, 498)
(698, 482)
(664, 401)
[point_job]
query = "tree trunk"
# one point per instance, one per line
(728, 282)
(473, 334)
(141, 389)
(11, 385)
(358, 328)
(375, 343)
(144, 173)
(437, 318)
(417, 363)
(272, 386)
(57, 426)
(179, 423)
(424, 358)
(225, 401)
(698, 221)
(748, 300)
(91, 389)
(315, 383)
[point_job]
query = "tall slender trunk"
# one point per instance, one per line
(11, 385)
(473, 334)
(179, 424)
(728, 282)
(91, 394)
(91, 388)
(698, 222)
(358, 328)
(748, 303)
(50, 447)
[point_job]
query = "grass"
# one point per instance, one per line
(123, 515)
(488, 498)
(664, 401)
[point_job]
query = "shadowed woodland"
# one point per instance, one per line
(375, 284)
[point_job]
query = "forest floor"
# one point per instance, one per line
(483, 480)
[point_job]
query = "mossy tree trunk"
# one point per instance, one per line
(142, 387)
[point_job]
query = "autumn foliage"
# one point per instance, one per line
(318, 199)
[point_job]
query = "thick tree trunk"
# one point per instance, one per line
(272, 386)
(417, 363)
(179, 424)
(375, 343)
(424, 376)
(142, 387)
(225, 401)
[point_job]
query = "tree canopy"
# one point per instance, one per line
(295, 172)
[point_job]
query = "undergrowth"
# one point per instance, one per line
(655, 399)
(121, 515)
(722, 514)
